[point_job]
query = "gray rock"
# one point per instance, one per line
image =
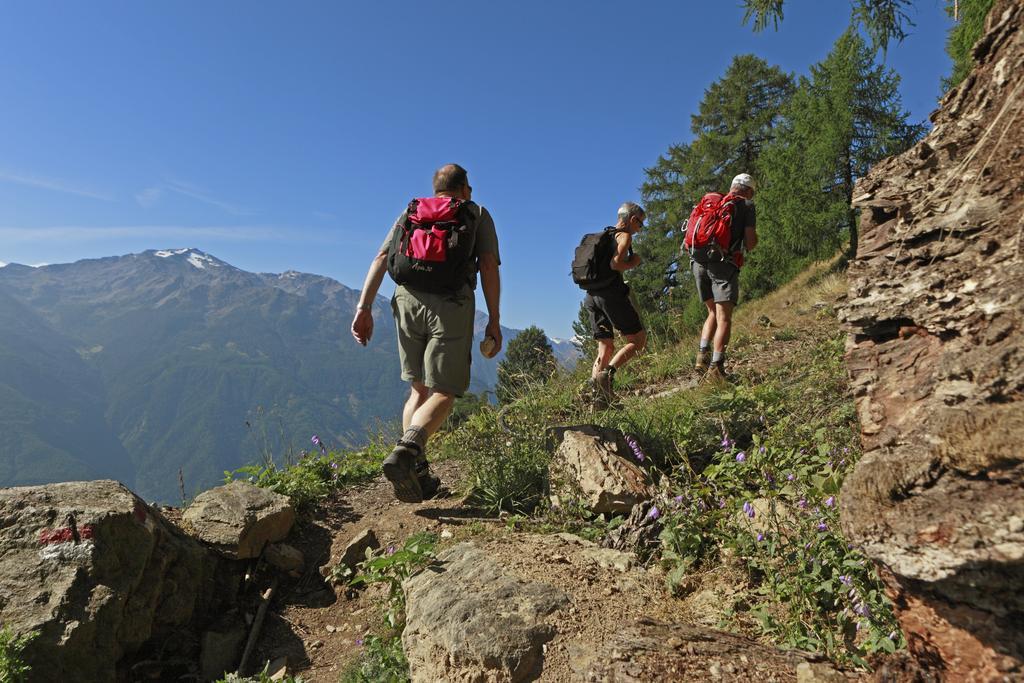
(239, 519)
(97, 573)
(221, 646)
(592, 464)
(469, 620)
(285, 557)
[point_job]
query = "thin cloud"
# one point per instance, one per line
(72, 233)
(53, 184)
(149, 196)
(201, 195)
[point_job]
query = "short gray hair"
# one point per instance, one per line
(630, 209)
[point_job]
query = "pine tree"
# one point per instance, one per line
(883, 20)
(735, 121)
(583, 336)
(528, 360)
(843, 119)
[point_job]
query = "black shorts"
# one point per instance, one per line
(610, 310)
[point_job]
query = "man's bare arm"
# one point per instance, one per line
(750, 237)
(362, 324)
(622, 261)
(490, 281)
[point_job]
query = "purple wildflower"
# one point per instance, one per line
(768, 476)
(762, 449)
(678, 500)
(802, 503)
(790, 477)
(830, 501)
(721, 503)
(741, 456)
(359, 642)
(390, 550)
(760, 537)
(749, 509)
(845, 580)
(654, 513)
(635, 447)
(334, 465)
(822, 526)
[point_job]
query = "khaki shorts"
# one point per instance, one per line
(435, 338)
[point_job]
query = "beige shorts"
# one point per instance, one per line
(435, 338)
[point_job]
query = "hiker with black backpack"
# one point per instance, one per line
(433, 253)
(600, 260)
(720, 228)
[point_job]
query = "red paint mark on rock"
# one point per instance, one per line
(65, 534)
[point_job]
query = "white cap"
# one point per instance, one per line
(745, 180)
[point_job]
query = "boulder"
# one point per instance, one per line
(468, 620)
(592, 465)
(239, 519)
(935, 313)
(97, 573)
(651, 650)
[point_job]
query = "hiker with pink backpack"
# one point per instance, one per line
(433, 252)
(720, 228)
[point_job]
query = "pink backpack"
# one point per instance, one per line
(433, 250)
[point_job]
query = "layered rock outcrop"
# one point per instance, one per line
(96, 573)
(936, 312)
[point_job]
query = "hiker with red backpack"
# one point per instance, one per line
(597, 268)
(719, 230)
(433, 253)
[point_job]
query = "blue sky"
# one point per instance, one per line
(287, 136)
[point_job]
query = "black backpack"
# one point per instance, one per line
(592, 265)
(433, 249)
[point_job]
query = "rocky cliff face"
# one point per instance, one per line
(935, 311)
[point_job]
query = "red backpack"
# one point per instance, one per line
(433, 250)
(709, 229)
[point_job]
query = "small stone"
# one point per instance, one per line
(331, 628)
(446, 534)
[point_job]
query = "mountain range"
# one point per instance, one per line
(166, 368)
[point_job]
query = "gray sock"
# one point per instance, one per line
(718, 357)
(705, 345)
(415, 436)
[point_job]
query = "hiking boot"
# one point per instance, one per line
(715, 374)
(400, 470)
(703, 361)
(429, 482)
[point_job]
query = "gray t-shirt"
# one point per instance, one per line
(486, 235)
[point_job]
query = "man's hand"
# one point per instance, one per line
(493, 330)
(362, 326)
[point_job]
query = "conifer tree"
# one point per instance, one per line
(735, 121)
(843, 119)
(529, 359)
(883, 20)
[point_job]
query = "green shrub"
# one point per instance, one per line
(314, 476)
(13, 668)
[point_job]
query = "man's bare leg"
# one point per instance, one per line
(605, 351)
(723, 313)
(417, 396)
(710, 323)
(635, 343)
(432, 412)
